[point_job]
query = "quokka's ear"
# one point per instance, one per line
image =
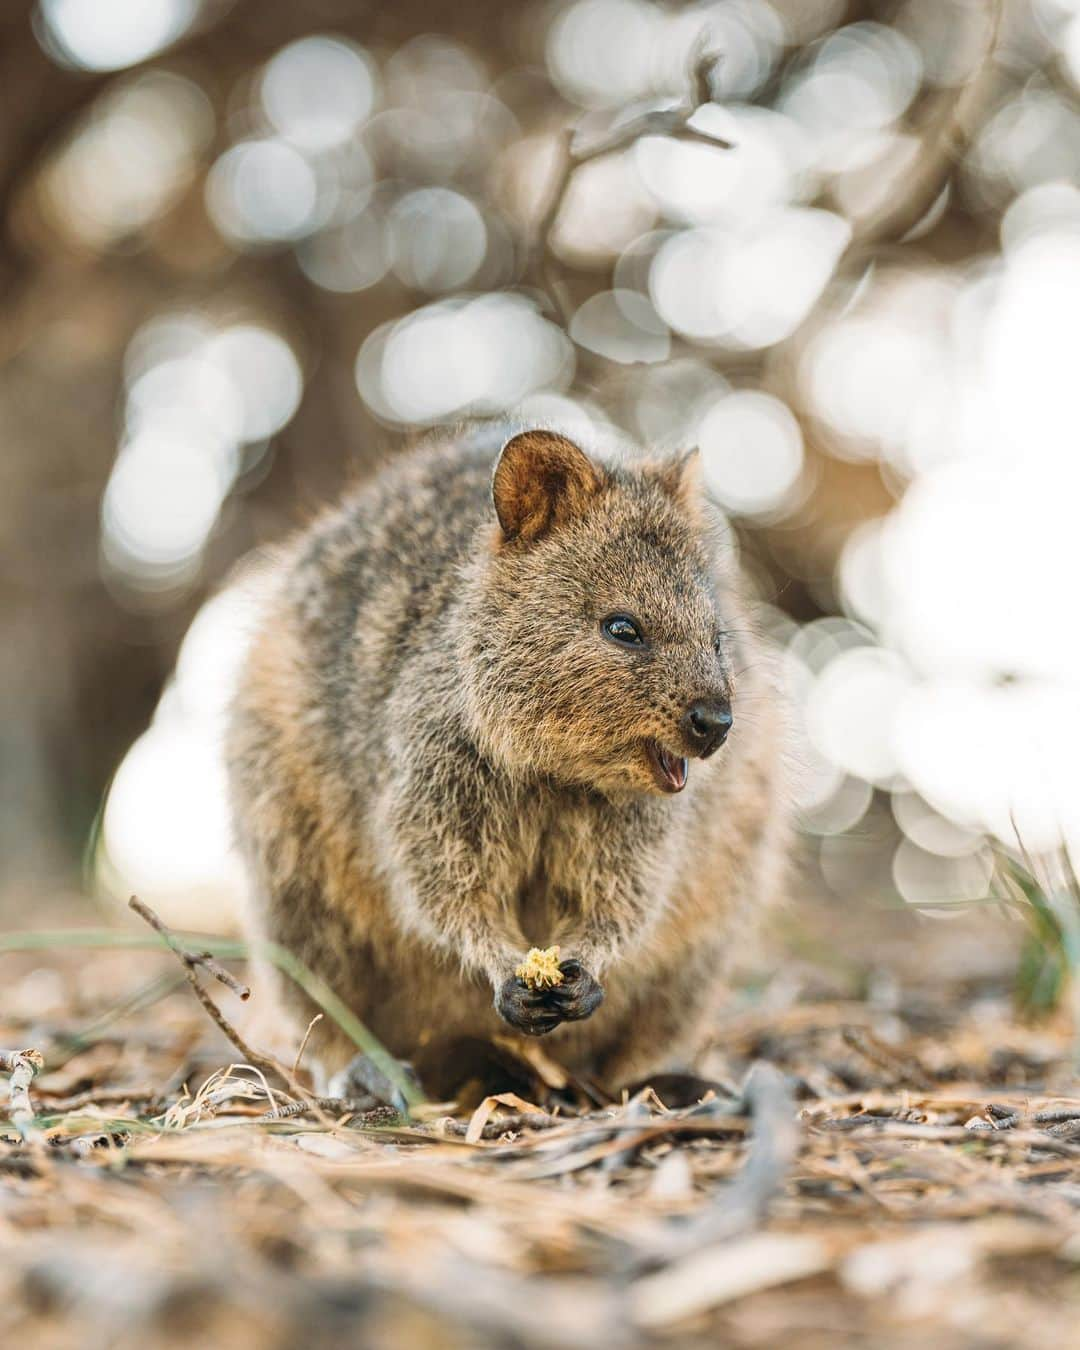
(541, 481)
(681, 478)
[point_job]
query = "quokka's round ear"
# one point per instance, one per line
(682, 479)
(541, 481)
(680, 476)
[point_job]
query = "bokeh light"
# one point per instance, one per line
(753, 452)
(161, 503)
(925, 878)
(747, 287)
(859, 80)
(261, 368)
(480, 355)
(439, 239)
(605, 53)
(112, 34)
(196, 396)
(263, 190)
(130, 159)
(317, 92)
(348, 258)
(622, 326)
(702, 184)
(886, 428)
(852, 712)
(166, 831)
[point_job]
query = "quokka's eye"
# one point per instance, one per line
(621, 628)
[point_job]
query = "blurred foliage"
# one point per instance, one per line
(1042, 970)
(1047, 894)
(247, 250)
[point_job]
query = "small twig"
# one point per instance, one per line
(703, 67)
(1056, 1115)
(226, 977)
(264, 1064)
(773, 1147)
(22, 1065)
(511, 1123)
(669, 122)
(314, 986)
(191, 963)
(742, 1206)
(254, 1057)
(303, 1044)
(358, 1109)
(577, 149)
(202, 960)
(672, 122)
(942, 148)
(903, 1068)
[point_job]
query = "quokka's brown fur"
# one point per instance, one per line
(438, 758)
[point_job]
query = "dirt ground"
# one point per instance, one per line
(878, 1154)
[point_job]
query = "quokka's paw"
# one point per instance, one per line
(527, 1010)
(579, 995)
(538, 1011)
(364, 1083)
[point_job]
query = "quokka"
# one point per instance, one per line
(494, 700)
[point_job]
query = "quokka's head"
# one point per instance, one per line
(597, 649)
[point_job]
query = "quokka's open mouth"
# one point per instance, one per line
(669, 771)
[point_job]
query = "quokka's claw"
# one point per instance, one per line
(579, 995)
(527, 1010)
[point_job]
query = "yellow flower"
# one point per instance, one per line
(540, 969)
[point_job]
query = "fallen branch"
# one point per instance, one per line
(355, 1109)
(23, 1065)
(742, 1206)
(192, 960)
(903, 1068)
(513, 1123)
(265, 1064)
(868, 1128)
(280, 957)
(942, 146)
(577, 148)
(303, 1044)
(191, 963)
(773, 1148)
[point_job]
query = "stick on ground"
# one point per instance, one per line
(191, 962)
(203, 960)
(22, 1065)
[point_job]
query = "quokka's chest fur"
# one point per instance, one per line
(559, 865)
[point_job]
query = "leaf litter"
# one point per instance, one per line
(850, 1174)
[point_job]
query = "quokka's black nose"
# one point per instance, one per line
(706, 723)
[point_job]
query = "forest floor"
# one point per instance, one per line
(885, 1159)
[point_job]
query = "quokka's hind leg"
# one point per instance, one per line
(365, 1084)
